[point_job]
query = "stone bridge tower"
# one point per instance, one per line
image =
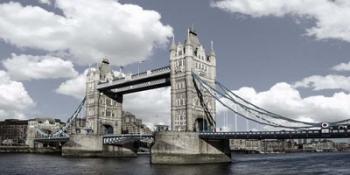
(103, 114)
(191, 110)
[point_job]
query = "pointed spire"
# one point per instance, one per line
(188, 40)
(173, 45)
(212, 52)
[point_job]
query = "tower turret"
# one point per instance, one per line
(172, 48)
(189, 110)
(212, 55)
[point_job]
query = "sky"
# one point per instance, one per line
(290, 57)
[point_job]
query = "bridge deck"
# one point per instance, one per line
(138, 82)
(52, 139)
(120, 139)
(304, 134)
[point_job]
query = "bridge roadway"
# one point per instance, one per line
(51, 139)
(119, 139)
(302, 134)
(150, 79)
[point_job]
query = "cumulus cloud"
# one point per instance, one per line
(14, 99)
(284, 99)
(27, 67)
(86, 30)
(342, 67)
(151, 106)
(317, 82)
(330, 16)
(74, 87)
(45, 1)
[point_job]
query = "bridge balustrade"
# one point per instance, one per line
(142, 74)
(162, 69)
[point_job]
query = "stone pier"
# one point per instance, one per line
(80, 145)
(188, 148)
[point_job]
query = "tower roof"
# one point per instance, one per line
(173, 45)
(212, 51)
(105, 60)
(192, 38)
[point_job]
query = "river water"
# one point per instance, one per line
(276, 164)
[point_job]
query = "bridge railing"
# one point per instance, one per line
(138, 75)
(128, 135)
(145, 84)
(161, 69)
(142, 74)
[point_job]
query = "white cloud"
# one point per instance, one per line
(74, 87)
(87, 30)
(283, 99)
(342, 67)
(45, 1)
(14, 98)
(318, 82)
(331, 17)
(27, 67)
(152, 106)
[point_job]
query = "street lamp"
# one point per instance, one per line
(138, 67)
(121, 69)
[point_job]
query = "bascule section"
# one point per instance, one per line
(191, 109)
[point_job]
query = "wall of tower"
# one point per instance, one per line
(186, 106)
(102, 112)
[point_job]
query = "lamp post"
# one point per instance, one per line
(138, 67)
(121, 69)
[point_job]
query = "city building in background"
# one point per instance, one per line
(133, 125)
(285, 146)
(13, 132)
(37, 125)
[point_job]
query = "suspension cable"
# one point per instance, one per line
(266, 112)
(206, 86)
(62, 130)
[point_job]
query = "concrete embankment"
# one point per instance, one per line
(27, 149)
(92, 146)
(188, 148)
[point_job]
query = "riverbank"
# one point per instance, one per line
(27, 149)
(287, 152)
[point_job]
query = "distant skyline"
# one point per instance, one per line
(291, 57)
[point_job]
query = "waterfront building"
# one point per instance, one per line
(251, 145)
(320, 146)
(263, 146)
(13, 132)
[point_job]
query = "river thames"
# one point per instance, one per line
(274, 164)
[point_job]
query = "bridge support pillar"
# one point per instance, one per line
(80, 145)
(188, 148)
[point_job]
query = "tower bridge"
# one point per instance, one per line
(191, 75)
